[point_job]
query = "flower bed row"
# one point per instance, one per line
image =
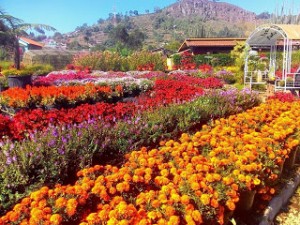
(55, 154)
(64, 95)
(164, 92)
(196, 180)
(129, 83)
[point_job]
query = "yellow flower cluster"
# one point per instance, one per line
(195, 180)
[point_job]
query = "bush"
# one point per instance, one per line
(144, 58)
(107, 61)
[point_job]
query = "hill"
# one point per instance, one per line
(183, 19)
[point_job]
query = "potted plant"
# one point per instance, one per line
(18, 78)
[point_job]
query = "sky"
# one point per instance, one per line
(66, 15)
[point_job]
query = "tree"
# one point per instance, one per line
(15, 28)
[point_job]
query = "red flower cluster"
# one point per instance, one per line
(149, 66)
(205, 68)
(32, 96)
(52, 78)
(283, 97)
(165, 92)
(79, 68)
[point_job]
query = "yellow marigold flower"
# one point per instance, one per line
(123, 222)
(60, 202)
(36, 214)
(112, 221)
(175, 197)
(55, 219)
(205, 199)
(197, 216)
(241, 177)
(195, 186)
(151, 215)
(236, 172)
(162, 222)
(164, 172)
(189, 219)
(256, 181)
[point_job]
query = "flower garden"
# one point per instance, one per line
(141, 147)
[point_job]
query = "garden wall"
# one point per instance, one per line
(57, 58)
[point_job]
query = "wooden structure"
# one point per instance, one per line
(209, 45)
(278, 39)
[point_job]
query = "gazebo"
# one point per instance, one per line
(277, 39)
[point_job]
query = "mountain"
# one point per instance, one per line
(181, 20)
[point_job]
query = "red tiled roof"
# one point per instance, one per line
(32, 42)
(209, 42)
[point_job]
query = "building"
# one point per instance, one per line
(28, 44)
(209, 45)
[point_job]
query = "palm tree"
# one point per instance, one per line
(16, 28)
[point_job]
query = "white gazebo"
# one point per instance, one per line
(278, 39)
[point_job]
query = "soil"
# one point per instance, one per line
(290, 215)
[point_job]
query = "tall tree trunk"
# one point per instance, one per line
(17, 53)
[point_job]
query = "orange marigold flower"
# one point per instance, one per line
(174, 220)
(155, 203)
(185, 199)
(13, 216)
(169, 211)
(230, 205)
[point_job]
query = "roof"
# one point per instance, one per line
(271, 34)
(209, 42)
(31, 42)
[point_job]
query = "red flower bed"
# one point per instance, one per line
(52, 78)
(19, 97)
(165, 92)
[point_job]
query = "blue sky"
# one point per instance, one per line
(66, 15)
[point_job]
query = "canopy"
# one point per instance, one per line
(269, 34)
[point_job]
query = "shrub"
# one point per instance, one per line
(143, 58)
(108, 60)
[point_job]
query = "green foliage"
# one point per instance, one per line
(176, 59)
(3, 54)
(14, 28)
(238, 54)
(296, 58)
(5, 64)
(37, 69)
(145, 58)
(173, 46)
(220, 59)
(114, 61)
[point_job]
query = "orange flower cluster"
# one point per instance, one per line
(42, 96)
(196, 180)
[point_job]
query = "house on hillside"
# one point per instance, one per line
(209, 45)
(28, 44)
